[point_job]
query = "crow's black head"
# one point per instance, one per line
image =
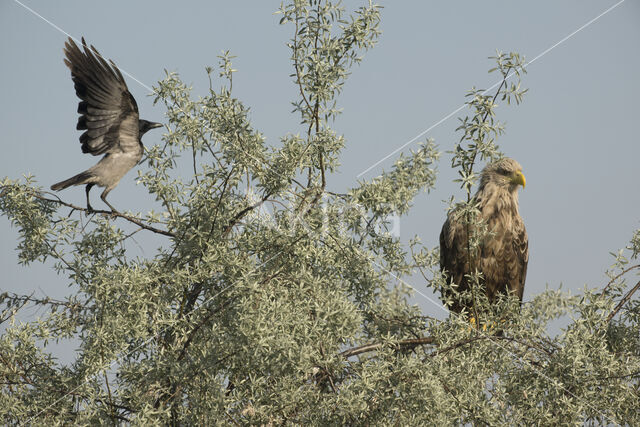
(145, 125)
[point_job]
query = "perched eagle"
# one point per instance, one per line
(503, 253)
(109, 117)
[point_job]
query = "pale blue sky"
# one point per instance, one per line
(575, 134)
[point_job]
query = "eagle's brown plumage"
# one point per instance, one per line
(504, 252)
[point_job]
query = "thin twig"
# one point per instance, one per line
(624, 300)
(486, 114)
(404, 344)
(196, 328)
(295, 64)
(243, 212)
(13, 310)
(222, 193)
(618, 276)
(131, 219)
(468, 219)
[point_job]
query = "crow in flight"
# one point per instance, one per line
(109, 117)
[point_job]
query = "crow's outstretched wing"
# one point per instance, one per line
(109, 113)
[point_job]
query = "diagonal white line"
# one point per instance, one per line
(118, 358)
(43, 18)
(574, 33)
(279, 252)
(448, 116)
(445, 118)
(79, 42)
(480, 332)
(138, 347)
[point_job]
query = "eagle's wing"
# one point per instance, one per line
(453, 259)
(521, 249)
(109, 112)
(504, 258)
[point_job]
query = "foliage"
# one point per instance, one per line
(297, 314)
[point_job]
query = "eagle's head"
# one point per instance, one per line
(505, 173)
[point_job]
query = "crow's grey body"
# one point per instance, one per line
(109, 114)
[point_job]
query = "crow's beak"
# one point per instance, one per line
(153, 125)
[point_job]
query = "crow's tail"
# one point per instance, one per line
(81, 178)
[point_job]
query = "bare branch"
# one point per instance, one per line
(243, 212)
(131, 219)
(400, 345)
(624, 300)
(606, 288)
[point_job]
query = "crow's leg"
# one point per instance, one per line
(87, 189)
(103, 196)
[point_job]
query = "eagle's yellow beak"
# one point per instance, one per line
(518, 178)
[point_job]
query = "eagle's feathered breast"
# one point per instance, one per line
(503, 252)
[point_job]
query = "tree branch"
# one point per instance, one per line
(243, 212)
(468, 219)
(624, 300)
(400, 345)
(13, 310)
(131, 219)
(409, 344)
(484, 119)
(297, 67)
(193, 332)
(618, 276)
(222, 193)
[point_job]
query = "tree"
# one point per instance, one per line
(298, 314)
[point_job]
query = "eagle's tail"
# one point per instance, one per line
(81, 178)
